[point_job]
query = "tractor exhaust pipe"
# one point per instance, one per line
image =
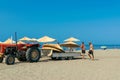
(16, 40)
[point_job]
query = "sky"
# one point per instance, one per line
(97, 21)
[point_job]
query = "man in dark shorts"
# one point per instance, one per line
(91, 50)
(83, 50)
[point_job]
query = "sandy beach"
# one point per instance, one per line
(105, 67)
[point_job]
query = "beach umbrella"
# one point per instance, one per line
(33, 39)
(71, 39)
(9, 41)
(46, 39)
(25, 39)
(20, 42)
(70, 44)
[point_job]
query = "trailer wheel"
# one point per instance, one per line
(22, 59)
(10, 59)
(33, 54)
(70, 58)
(1, 59)
(53, 58)
(62, 58)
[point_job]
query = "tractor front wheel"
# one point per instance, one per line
(33, 54)
(10, 59)
(1, 59)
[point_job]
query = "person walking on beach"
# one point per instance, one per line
(83, 50)
(91, 50)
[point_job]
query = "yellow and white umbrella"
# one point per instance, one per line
(9, 41)
(71, 39)
(69, 44)
(46, 39)
(34, 39)
(25, 39)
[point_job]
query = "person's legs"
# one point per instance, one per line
(92, 56)
(83, 54)
(89, 55)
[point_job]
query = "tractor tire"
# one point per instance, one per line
(21, 56)
(10, 59)
(1, 59)
(33, 54)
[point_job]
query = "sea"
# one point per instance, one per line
(108, 46)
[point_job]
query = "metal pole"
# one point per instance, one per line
(16, 40)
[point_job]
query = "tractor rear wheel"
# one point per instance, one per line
(1, 59)
(10, 59)
(33, 54)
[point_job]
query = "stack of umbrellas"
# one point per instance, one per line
(70, 42)
(54, 47)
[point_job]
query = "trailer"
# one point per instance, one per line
(66, 56)
(60, 56)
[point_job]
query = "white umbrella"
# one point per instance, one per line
(46, 39)
(71, 39)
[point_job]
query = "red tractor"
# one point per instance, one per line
(23, 52)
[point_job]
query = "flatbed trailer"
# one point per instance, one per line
(61, 56)
(66, 55)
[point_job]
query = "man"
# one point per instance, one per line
(91, 50)
(83, 50)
